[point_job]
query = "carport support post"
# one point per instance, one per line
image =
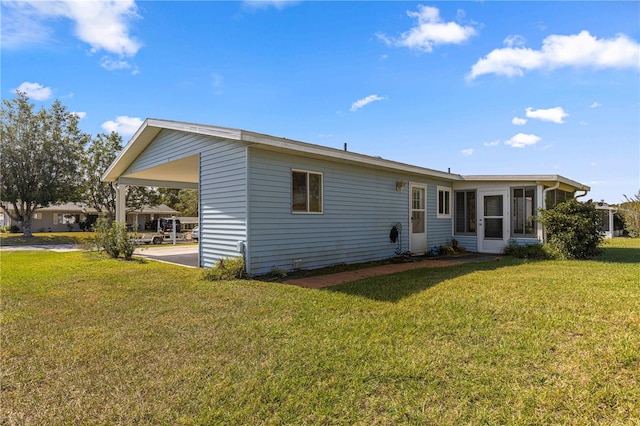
(121, 203)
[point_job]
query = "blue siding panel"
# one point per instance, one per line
(360, 207)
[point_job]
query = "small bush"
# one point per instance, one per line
(112, 237)
(574, 229)
(230, 268)
(535, 251)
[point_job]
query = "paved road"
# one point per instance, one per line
(185, 255)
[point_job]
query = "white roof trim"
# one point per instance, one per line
(526, 178)
(151, 127)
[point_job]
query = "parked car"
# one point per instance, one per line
(195, 233)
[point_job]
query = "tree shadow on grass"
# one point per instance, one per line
(619, 255)
(400, 285)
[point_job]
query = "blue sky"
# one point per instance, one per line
(478, 87)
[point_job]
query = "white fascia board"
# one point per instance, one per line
(526, 178)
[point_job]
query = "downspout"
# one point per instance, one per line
(544, 193)
(575, 197)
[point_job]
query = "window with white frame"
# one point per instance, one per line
(444, 202)
(306, 191)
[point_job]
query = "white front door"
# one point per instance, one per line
(418, 219)
(493, 221)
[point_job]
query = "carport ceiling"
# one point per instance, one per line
(183, 170)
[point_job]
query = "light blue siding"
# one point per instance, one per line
(439, 231)
(469, 242)
(170, 145)
(223, 187)
(360, 207)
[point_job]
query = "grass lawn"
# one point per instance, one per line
(91, 340)
(17, 239)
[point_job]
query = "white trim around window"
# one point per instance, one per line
(307, 192)
(443, 202)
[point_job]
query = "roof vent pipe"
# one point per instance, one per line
(345, 146)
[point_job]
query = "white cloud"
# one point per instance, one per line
(365, 101)
(124, 125)
(79, 114)
(558, 51)
(522, 140)
(519, 121)
(34, 91)
(430, 31)
(555, 115)
(595, 105)
(116, 65)
(264, 4)
(492, 143)
(468, 151)
(514, 40)
(103, 25)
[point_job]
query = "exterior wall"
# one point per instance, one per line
(360, 206)
(48, 223)
(223, 187)
(439, 230)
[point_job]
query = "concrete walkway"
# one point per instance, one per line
(320, 281)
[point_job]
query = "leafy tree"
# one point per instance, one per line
(41, 154)
(100, 153)
(574, 229)
(183, 200)
(630, 211)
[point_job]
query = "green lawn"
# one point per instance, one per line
(45, 238)
(90, 340)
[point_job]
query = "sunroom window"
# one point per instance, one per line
(523, 211)
(465, 212)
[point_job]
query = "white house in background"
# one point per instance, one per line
(289, 204)
(610, 226)
(68, 216)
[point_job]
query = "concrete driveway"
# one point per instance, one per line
(184, 255)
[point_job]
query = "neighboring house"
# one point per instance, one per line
(68, 216)
(612, 226)
(288, 204)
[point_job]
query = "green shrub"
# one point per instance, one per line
(112, 237)
(573, 229)
(229, 268)
(535, 251)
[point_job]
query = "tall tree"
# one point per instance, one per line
(183, 200)
(41, 154)
(100, 153)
